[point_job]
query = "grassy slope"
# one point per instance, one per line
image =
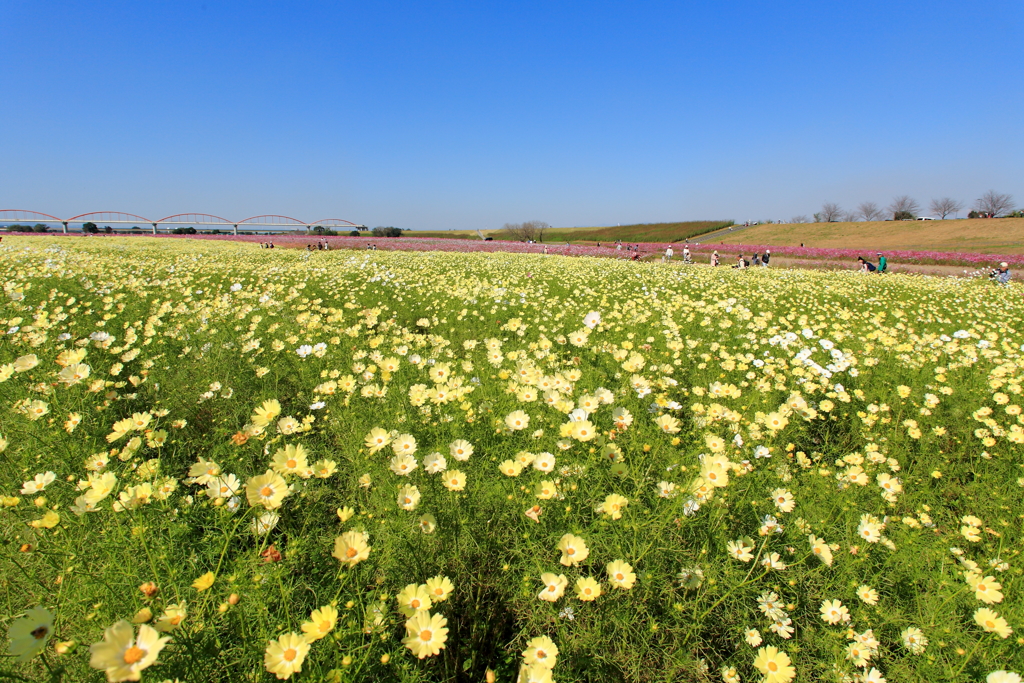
(994, 235)
(641, 232)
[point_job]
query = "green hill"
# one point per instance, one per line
(639, 232)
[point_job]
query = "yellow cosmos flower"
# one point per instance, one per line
(613, 505)
(414, 598)
(426, 634)
(204, 582)
(321, 622)
(774, 664)
(588, 588)
(454, 480)
(171, 618)
(123, 655)
(554, 586)
(290, 460)
(266, 413)
(47, 521)
(986, 588)
(541, 651)
(992, 622)
(350, 548)
(439, 588)
(268, 489)
(574, 550)
(25, 363)
(377, 439)
(517, 420)
(285, 655)
(620, 575)
(545, 490)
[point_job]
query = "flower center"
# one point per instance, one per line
(266, 491)
(619, 577)
(990, 624)
(426, 635)
(351, 552)
(40, 632)
(773, 667)
(325, 626)
(415, 603)
(290, 654)
(291, 463)
(570, 551)
(133, 654)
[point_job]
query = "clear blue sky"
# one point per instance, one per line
(436, 115)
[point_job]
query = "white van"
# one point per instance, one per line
(925, 218)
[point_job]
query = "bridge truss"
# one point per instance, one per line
(262, 223)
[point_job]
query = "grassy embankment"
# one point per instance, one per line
(992, 235)
(640, 232)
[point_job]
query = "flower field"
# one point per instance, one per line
(221, 463)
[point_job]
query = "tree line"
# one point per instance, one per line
(904, 207)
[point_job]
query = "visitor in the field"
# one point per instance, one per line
(1001, 274)
(883, 264)
(668, 254)
(714, 258)
(866, 266)
(767, 255)
(740, 262)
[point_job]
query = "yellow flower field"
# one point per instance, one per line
(221, 463)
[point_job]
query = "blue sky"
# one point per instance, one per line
(472, 114)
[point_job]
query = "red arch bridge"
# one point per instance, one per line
(264, 223)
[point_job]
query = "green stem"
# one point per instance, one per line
(968, 658)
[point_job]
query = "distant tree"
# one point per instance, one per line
(817, 217)
(530, 230)
(40, 227)
(90, 227)
(391, 231)
(830, 212)
(851, 216)
(904, 207)
(798, 219)
(318, 229)
(870, 211)
(945, 206)
(107, 229)
(354, 233)
(993, 203)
